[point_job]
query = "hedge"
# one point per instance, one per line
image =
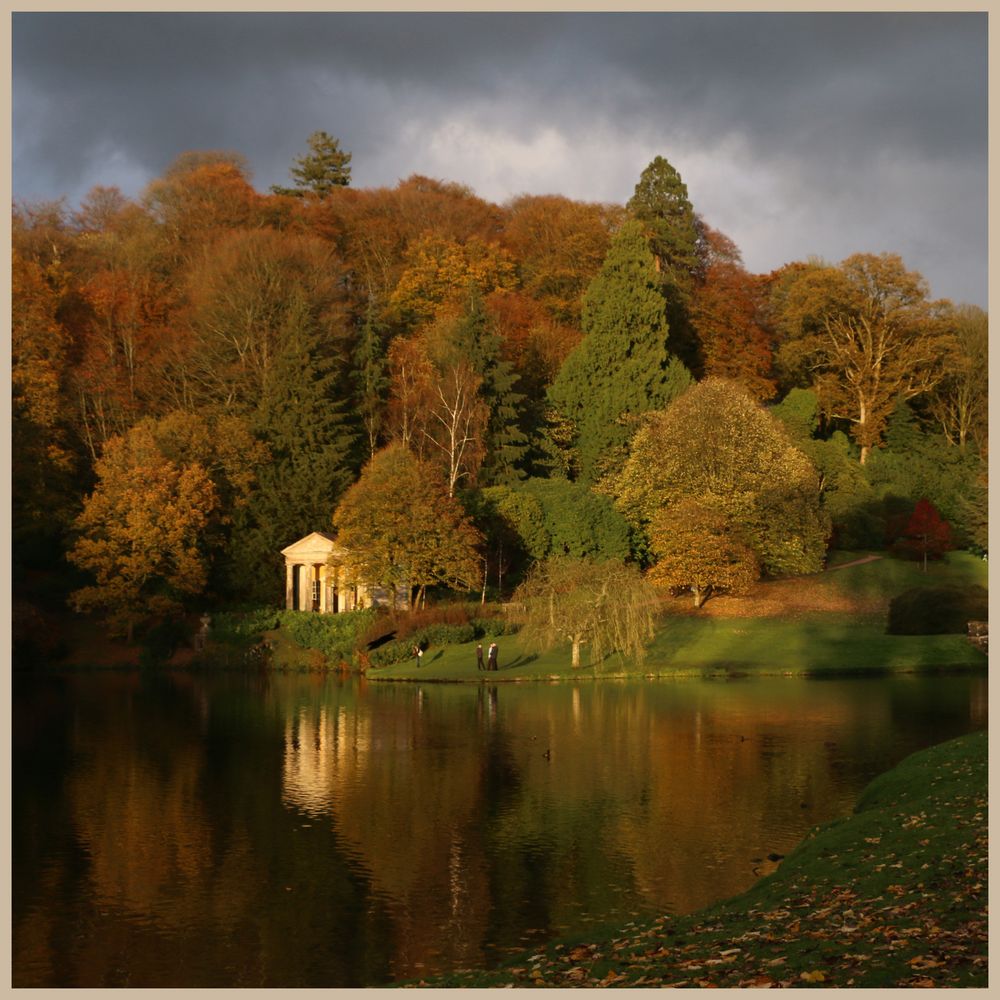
(937, 610)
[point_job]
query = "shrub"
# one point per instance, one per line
(240, 627)
(937, 610)
(335, 636)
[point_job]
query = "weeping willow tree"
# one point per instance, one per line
(607, 606)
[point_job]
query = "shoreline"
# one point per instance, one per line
(894, 894)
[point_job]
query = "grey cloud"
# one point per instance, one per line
(826, 99)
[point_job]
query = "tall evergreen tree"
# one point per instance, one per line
(325, 167)
(661, 203)
(312, 444)
(622, 367)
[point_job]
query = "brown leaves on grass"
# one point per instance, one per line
(875, 907)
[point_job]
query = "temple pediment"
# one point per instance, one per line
(316, 547)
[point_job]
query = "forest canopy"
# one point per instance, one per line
(242, 364)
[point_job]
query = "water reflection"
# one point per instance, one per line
(299, 831)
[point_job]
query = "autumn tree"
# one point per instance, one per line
(456, 422)
(441, 274)
(716, 446)
(697, 550)
(607, 606)
(325, 167)
(559, 245)
(127, 284)
(140, 533)
(371, 379)
(435, 408)
(927, 532)
(42, 460)
(404, 530)
(622, 367)
(199, 197)
(411, 376)
(725, 313)
(960, 401)
(241, 296)
(868, 334)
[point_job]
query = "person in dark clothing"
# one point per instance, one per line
(492, 656)
(479, 657)
(418, 653)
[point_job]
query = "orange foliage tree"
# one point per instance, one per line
(140, 533)
(725, 314)
(404, 530)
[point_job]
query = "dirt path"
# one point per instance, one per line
(857, 562)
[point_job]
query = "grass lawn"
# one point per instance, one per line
(777, 630)
(820, 644)
(893, 896)
(886, 577)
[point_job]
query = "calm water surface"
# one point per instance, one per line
(244, 830)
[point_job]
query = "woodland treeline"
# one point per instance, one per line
(463, 389)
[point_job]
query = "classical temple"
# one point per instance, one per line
(316, 582)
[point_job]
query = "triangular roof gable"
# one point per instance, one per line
(316, 542)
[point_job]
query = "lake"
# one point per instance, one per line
(299, 830)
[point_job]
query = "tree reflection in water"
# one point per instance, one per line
(192, 830)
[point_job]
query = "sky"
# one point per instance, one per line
(798, 135)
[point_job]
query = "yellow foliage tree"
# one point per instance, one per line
(141, 532)
(867, 334)
(698, 551)
(441, 272)
(404, 530)
(715, 445)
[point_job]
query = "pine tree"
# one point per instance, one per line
(622, 367)
(312, 444)
(325, 167)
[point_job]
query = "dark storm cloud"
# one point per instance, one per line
(796, 133)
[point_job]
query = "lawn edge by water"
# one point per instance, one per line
(820, 645)
(894, 895)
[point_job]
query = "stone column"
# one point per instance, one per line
(289, 585)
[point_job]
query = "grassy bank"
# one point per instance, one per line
(826, 624)
(693, 647)
(893, 896)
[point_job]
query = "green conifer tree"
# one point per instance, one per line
(661, 203)
(312, 443)
(325, 167)
(622, 367)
